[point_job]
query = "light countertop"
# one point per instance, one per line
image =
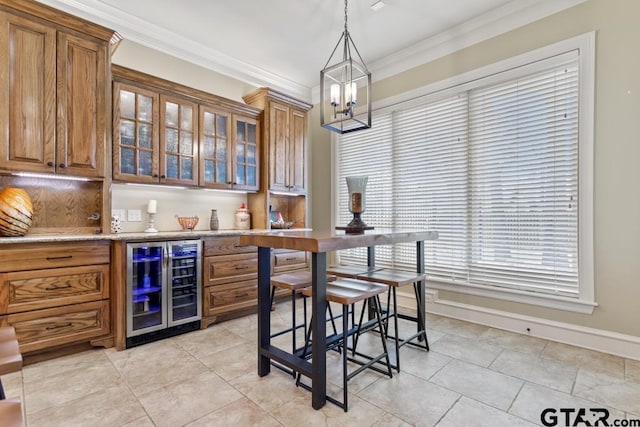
(160, 235)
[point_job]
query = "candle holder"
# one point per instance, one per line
(356, 186)
(151, 226)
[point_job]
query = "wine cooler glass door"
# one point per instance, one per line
(146, 295)
(184, 292)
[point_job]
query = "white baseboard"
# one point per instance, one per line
(595, 339)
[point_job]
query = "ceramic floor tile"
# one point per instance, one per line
(549, 373)
(151, 366)
(609, 390)
(469, 350)
(242, 412)
(140, 422)
(361, 413)
(513, 341)
(421, 363)
(59, 365)
(110, 406)
(390, 420)
(12, 384)
(183, 402)
(632, 370)
(55, 390)
(533, 399)
(456, 327)
(468, 412)
(207, 341)
(270, 391)
(479, 383)
(585, 358)
(410, 398)
(233, 362)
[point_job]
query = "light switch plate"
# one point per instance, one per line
(134, 215)
(118, 213)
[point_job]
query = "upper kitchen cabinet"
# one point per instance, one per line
(229, 153)
(136, 147)
(285, 139)
(172, 134)
(55, 77)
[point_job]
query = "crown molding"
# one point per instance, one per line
(497, 21)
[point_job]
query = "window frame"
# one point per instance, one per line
(584, 44)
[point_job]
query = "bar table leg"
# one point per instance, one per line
(319, 310)
(264, 309)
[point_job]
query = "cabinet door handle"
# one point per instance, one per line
(291, 259)
(155, 175)
(66, 325)
(62, 165)
(55, 288)
(50, 164)
(162, 176)
(242, 295)
(57, 258)
(241, 267)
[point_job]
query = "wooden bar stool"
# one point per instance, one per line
(347, 292)
(10, 357)
(350, 271)
(11, 413)
(294, 282)
(395, 279)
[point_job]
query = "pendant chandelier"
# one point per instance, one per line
(345, 88)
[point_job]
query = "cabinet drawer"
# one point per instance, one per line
(230, 268)
(41, 329)
(33, 290)
(225, 246)
(285, 261)
(36, 257)
(222, 299)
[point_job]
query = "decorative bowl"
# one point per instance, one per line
(187, 222)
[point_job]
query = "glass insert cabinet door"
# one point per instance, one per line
(184, 279)
(135, 154)
(245, 168)
(146, 292)
(215, 162)
(178, 141)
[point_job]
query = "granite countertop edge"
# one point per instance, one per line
(166, 235)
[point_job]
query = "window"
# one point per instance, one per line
(499, 162)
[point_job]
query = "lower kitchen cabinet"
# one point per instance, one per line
(231, 277)
(56, 293)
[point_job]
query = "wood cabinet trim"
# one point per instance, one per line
(130, 76)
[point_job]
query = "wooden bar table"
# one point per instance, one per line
(318, 244)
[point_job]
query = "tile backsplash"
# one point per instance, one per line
(172, 202)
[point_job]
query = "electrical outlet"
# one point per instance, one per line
(118, 213)
(134, 215)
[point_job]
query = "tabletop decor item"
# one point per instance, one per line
(152, 209)
(16, 212)
(356, 186)
(116, 224)
(188, 222)
(243, 218)
(213, 222)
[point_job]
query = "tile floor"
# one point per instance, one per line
(473, 375)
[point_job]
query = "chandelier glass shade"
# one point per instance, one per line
(345, 87)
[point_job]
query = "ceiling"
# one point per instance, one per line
(285, 43)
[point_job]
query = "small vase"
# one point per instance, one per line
(213, 223)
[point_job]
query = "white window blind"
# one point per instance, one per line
(492, 165)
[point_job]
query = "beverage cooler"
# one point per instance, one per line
(164, 293)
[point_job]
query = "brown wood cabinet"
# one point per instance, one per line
(55, 294)
(167, 133)
(54, 115)
(230, 279)
(284, 126)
